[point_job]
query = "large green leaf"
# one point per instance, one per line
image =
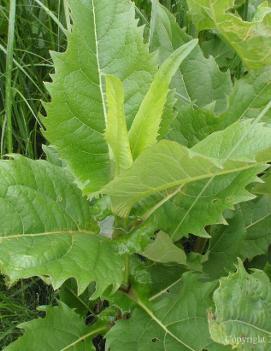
(251, 40)
(46, 229)
(219, 166)
(62, 329)
(200, 81)
(104, 40)
(242, 316)
(176, 320)
(145, 127)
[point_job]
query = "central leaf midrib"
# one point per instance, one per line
(33, 235)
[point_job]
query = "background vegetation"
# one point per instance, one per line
(39, 26)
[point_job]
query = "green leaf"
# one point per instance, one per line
(200, 81)
(241, 149)
(251, 40)
(145, 127)
(247, 235)
(47, 229)
(164, 251)
(225, 246)
(249, 96)
(257, 218)
(62, 329)
(176, 320)
(105, 39)
(242, 313)
(194, 124)
(116, 130)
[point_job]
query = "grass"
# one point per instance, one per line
(24, 65)
(19, 304)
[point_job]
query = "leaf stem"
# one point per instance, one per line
(127, 271)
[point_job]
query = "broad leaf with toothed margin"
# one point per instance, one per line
(47, 229)
(212, 175)
(61, 329)
(242, 311)
(105, 39)
(175, 320)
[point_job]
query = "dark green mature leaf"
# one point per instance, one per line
(62, 329)
(257, 217)
(249, 96)
(225, 246)
(176, 320)
(104, 40)
(247, 234)
(200, 81)
(47, 229)
(213, 175)
(242, 316)
(251, 40)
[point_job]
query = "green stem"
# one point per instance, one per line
(9, 66)
(127, 271)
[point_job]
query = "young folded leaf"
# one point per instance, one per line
(116, 133)
(60, 330)
(251, 40)
(47, 229)
(242, 316)
(145, 127)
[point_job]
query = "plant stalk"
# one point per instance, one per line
(9, 66)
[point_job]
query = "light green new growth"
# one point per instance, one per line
(116, 133)
(145, 128)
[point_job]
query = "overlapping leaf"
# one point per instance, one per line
(146, 125)
(61, 329)
(242, 316)
(47, 230)
(177, 320)
(200, 81)
(207, 179)
(104, 40)
(251, 40)
(247, 234)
